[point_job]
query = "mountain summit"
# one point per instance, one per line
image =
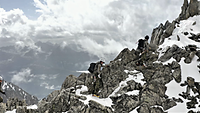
(169, 82)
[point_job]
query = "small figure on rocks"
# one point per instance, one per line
(97, 81)
(143, 45)
(142, 50)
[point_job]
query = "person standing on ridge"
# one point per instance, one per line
(143, 45)
(97, 81)
(97, 69)
(142, 50)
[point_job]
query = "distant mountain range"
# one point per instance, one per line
(50, 60)
(13, 91)
(43, 68)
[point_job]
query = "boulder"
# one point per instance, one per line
(175, 52)
(153, 47)
(175, 65)
(170, 28)
(198, 53)
(52, 95)
(144, 108)
(125, 103)
(168, 103)
(21, 109)
(157, 110)
(13, 103)
(160, 89)
(2, 107)
(190, 57)
(177, 75)
(156, 35)
(95, 107)
(70, 81)
(61, 102)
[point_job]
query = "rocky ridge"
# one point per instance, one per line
(164, 31)
(120, 80)
(13, 90)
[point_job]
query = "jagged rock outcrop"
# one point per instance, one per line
(177, 71)
(13, 91)
(189, 9)
(71, 81)
(61, 102)
(13, 103)
(164, 31)
(177, 53)
(195, 37)
(125, 103)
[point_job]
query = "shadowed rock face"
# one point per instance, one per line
(189, 9)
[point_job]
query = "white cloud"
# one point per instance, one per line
(24, 76)
(107, 25)
(52, 76)
(109, 46)
(43, 76)
(42, 8)
(47, 86)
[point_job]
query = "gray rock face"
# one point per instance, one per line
(175, 52)
(157, 35)
(70, 81)
(189, 9)
(13, 91)
(177, 71)
(13, 103)
(184, 11)
(125, 103)
(164, 31)
(2, 107)
(195, 37)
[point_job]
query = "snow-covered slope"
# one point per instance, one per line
(187, 70)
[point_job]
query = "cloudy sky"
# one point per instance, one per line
(99, 27)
